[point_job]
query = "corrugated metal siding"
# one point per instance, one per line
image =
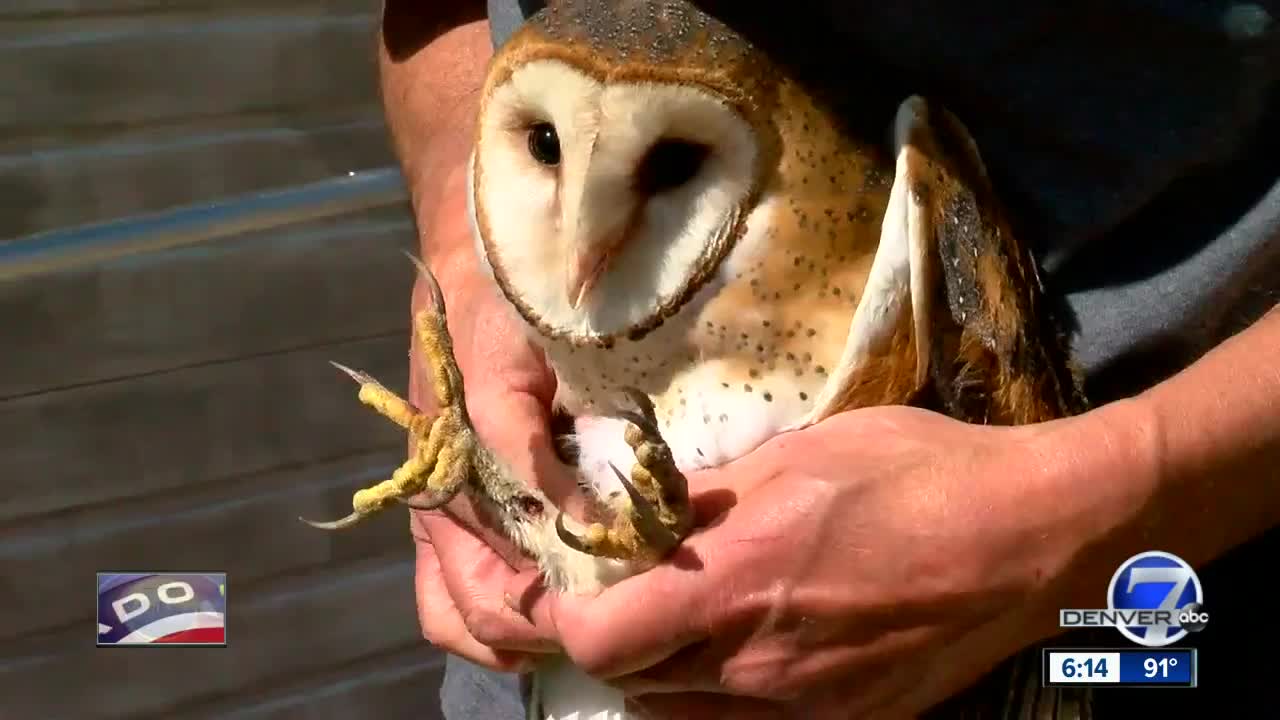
(175, 410)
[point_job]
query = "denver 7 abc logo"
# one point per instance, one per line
(162, 609)
(1155, 599)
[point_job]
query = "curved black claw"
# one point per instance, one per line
(642, 407)
(433, 287)
(640, 413)
(343, 524)
(568, 538)
(646, 522)
(439, 501)
(638, 420)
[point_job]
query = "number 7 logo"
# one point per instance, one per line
(1179, 576)
(1154, 568)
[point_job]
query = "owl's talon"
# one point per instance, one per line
(361, 377)
(594, 539)
(640, 410)
(440, 500)
(570, 538)
(443, 446)
(656, 516)
(340, 524)
(433, 287)
(638, 428)
(656, 475)
(656, 479)
(656, 537)
(641, 401)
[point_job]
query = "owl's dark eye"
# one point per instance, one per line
(670, 164)
(544, 144)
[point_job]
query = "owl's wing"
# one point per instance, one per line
(954, 316)
(953, 313)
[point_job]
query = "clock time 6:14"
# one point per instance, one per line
(1090, 667)
(1084, 667)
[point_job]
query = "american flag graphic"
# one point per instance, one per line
(162, 609)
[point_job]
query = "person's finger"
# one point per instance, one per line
(524, 589)
(627, 627)
(511, 409)
(442, 624)
(694, 668)
(516, 427)
(645, 619)
(475, 577)
(498, 342)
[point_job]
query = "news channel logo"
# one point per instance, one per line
(1154, 599)
(162, 609)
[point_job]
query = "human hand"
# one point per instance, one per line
(432, 62)
(874, 564)
(461, 564)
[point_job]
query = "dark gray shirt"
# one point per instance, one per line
(1139, 143)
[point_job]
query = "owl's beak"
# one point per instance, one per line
(590, 263)
(600, 215)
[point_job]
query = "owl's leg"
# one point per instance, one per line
(444, 446)
(655, 514)
(448, 458)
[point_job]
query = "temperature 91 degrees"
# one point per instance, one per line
(1120, 667)
(1153, 667)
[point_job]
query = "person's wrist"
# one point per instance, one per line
(444, 222)
(1091, 483)
(457, 271)
(447, 244)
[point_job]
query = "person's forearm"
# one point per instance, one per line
(1191, 466)
(1218, 446)
(432, 58)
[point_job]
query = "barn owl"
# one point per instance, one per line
(709, 257)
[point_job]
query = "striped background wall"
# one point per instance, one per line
(175, 410)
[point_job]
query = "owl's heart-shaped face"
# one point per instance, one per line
(602, 203)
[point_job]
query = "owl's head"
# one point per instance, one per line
(608, 182)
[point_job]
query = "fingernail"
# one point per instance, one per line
(514, 605)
